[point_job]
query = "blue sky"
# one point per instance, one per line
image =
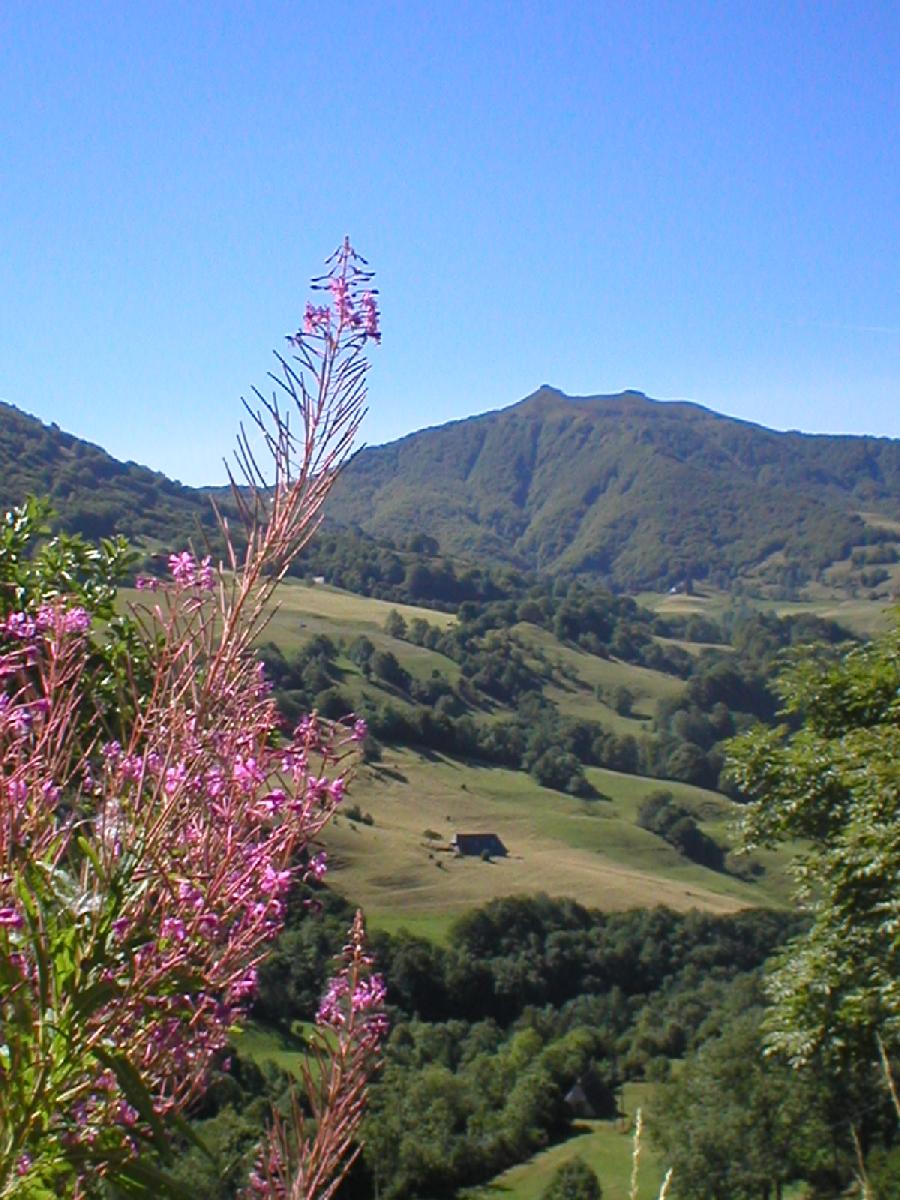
(698, 200)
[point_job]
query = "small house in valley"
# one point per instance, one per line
(478, 845)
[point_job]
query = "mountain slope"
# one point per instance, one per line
(639, 492)
(93, 492)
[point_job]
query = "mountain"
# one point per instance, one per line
(92, 492)
(626, 489)
(634, 491)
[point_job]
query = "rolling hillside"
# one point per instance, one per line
(634, 491)
(389, 846)
(92, 492)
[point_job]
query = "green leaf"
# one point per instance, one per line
(137, 1095)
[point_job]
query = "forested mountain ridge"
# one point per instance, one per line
(634, 491)
(93, 493)
(630, 491)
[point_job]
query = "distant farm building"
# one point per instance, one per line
(478, 844)
(592, 1098)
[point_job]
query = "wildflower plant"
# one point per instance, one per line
(145, 862)
(309, 1154)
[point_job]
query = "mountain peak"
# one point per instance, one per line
(636, 491)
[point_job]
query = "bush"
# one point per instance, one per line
(573, 1180)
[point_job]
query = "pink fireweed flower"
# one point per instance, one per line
(184, 568)
(76, 620)
(206, 577)
(336, 789)
(20, 625)
(208, 924)
(318, 866)
(112, 752)
(317, 789)
(173, 929)
(50, 792)
(214, 783)
(314, 318)
(189, 895)
(342, 302)
(17, 791)
(275, 882)
(146, 583)
(45, 618)
(360, 730)
(368, 994)
(175, 777)
(131, 766)
(370, 316)
(294, 764)
(246, 986)
(331, 1009)
(10, 918)
(247, 774)
(272, 804)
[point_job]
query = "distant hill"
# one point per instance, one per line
(639, 493)
(93, 492)
(633, 492)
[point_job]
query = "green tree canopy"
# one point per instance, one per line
(829, 780)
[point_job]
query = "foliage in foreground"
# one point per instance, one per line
(147, 846)
(830, 776)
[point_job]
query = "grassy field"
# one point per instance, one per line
(861, 616)
(265, 1045)
(307, 609)
(584, 681)
(591, 850)
(587, 849)
(606, 1146)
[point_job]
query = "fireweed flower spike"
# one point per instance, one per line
(306, 1157)
(143, 879)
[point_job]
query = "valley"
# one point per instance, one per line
(612, 931)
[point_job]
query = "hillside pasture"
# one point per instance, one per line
(862, 616)
(581, 680)
(606, 1146)
(590, 850)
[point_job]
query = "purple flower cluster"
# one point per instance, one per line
(187, 572)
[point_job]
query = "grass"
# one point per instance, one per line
(589, 850)
(306, 609)
(860, 615)
(263, 1045)
(606, 1146)
(582, 679)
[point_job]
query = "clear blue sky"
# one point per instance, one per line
(693, 199)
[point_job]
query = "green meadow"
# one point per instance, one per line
(606, 1146)
(591, 850)
(401, 870)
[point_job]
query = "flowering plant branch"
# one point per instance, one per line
(142, 878)
(307, 1156)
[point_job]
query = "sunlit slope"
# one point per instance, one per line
(606, 1146)
(591, 850)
